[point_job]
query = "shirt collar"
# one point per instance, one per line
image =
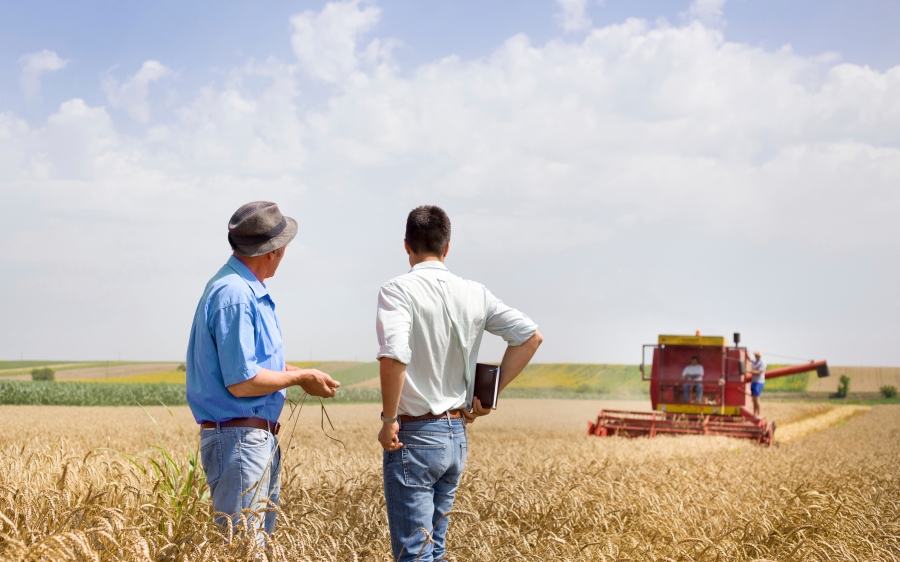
(430, 264)
(259, 289)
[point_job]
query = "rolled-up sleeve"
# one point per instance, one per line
(392, 323)
(514, 327)
(234, 330)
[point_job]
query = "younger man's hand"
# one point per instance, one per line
(317, 383)
(477, 411)
(389, 436)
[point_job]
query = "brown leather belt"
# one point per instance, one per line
(256, 423)
(452, 414)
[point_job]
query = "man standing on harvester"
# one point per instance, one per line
(757, 380)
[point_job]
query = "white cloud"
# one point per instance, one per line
(707, 11)
(132, 95)
(541, 153)
(33, 66)
(326, 43)
(573, 15)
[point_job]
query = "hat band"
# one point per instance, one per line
(238, 240)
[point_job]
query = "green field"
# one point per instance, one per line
(90, 394)
(538, 380)
(542, 380)
(791, 383)
(347, 372)
(619, 380)
(357, 373)
(145, 394)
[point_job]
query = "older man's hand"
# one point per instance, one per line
(317, 383)
(476, 412)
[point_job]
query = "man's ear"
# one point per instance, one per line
(406, 247)
(446, 249)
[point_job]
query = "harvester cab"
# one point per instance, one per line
(716, 402)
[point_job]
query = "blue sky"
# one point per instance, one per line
(202, 39)
(616, 170)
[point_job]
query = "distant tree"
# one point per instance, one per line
(45, 374)
(889, 391)
(844, 387)
(181, 368)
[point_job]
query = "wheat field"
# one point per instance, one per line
(535, 488)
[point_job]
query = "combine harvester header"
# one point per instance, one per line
(726, 392)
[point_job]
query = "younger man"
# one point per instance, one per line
(429, 324)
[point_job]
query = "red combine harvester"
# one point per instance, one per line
(726, 392)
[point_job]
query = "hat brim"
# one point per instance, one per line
(280, 241)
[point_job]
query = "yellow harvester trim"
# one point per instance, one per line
(705, 409)
(710, 341)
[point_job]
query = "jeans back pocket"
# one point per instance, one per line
(423, 464)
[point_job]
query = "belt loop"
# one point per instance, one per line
(268, 426)
(218, 427)
(449, 423)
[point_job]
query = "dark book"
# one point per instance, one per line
(487, 384)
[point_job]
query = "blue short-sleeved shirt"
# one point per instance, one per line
(235, 334)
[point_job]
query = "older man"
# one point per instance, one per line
(430, 324)
(236, 374)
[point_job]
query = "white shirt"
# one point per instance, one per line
(414, 327)
(693, 372)
(759, 365)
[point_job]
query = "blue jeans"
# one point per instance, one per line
(420, 481)
(698, 390)
(242, 467)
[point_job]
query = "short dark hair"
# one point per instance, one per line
(694, 357)
(428, 230)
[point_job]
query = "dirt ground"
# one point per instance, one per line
(103, 372)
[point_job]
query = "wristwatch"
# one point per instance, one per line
(387, 420)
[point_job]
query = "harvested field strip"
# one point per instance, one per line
(63, 367)
(346, 372)
(819, 422)
(6, 366)
(102, 370)
(862, 379)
